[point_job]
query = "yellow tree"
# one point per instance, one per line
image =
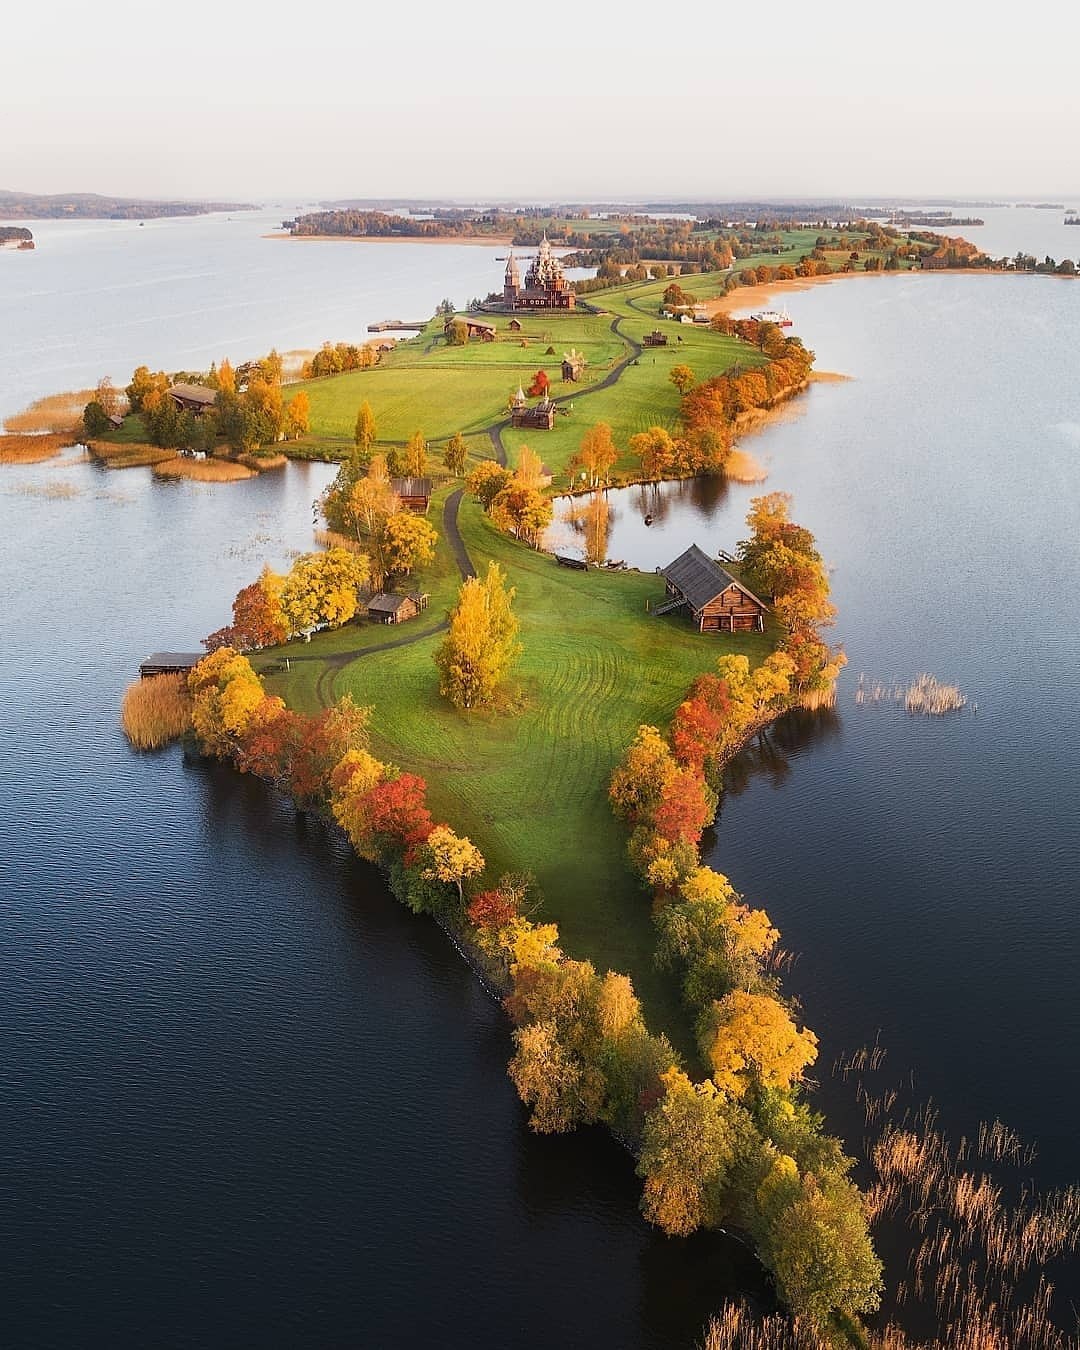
(530, 468)
(454, 454)
(596, 455)
(639, 780)
(298, 416)
(481, 643)
(751, 1036)
(452, 858)
(323, 588)
(226, 376)
(415, 460)
(406, 542)
(682, 377)
(364, 433)
(226, 695)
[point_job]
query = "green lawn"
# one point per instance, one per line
(528, 783)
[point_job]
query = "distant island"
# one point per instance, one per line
(15, 236)
(92, 206)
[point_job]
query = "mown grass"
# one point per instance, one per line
(528, 782)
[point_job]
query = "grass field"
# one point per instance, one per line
(528, 783)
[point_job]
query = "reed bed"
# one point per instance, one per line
(263, 463)
(134, 455)
(53, 491)
(58, 413)
(813, 700)
(925, 694)
(18, 448)
(156, 711)
(203, 470)
(741, 467)
(331, 539)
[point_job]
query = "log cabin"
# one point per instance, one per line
(415, 493)
(193, 398)
(388, 608)
(717, 602)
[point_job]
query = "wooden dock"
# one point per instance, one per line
(396, 326)
(170, 663)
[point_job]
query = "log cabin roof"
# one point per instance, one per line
(699, 579)
(384, 603)
(411, 487)
(193, 393)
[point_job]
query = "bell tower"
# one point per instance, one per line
(511, 281)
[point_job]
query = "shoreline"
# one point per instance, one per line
(502, 240)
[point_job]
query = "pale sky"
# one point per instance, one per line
(280, 101)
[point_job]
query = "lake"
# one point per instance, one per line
(247, 1097)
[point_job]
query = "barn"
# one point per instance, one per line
(717, 602)
(193, 398)
(389, 608)
(415, 493)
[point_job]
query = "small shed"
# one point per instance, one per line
(717, 602)
(573, 363)
(115, 421)
(193, 398)
(170, 663)
(386, 607)
(654, 339)
(514, 325)
(415, 493)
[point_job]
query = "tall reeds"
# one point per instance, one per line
(32, 449)
(203, 470)
(924, 694)
(741, 467)
(156, 711)
(61, 413)
(131, 455)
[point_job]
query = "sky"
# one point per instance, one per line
(574, 102)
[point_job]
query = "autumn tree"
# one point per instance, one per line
(258, 617)
(682, 377)
(365, 431)
(142, 383)
(415, 458)
(530, 468)
(751, 1037)
(225, 693)
(451, 859)
(522, 511)
(298, 416)
(407, 542)
(481, 644)
(596, 456)
(657, 451)
(487, 480)
(639, 781)
(454, 454)
(324, 741)
(323, 588)
(540, 384)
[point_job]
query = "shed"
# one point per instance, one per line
(514, 325)
(718, 603)
(115, 421)
(474, 328)
(170, 663)
(386, 607)
(415, 493)
(193, 398)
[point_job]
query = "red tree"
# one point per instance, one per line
(268, 745)
(683, 811)
(540, 384)
(492, 909)
(397, 813)
(321, 745)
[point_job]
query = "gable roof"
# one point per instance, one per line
(194, 393)
(700, 580)
(384, 603)
(411, 487)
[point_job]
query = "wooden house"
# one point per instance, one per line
(170, 663)
(573, 363)
(473, 328)
(193, 398)
(514, 325)
(386, 607)
(415, 493)
(654, 339)
(541, 416)
(717, 602)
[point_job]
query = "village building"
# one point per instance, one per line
(170, 663)
(386, 607)
(573, 363)
(474, 328)
(514, 325)
(541, 416)
(654, 339)
(415, 493)
(193, 398)
(716, 601)
(546, 286)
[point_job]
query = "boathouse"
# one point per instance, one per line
(170, 663)
(717, 602)
(192, 398)
(415, 493)
(386, 607)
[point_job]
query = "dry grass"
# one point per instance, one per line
(742, 467)
(262, 463)
(31, 449)
(331, 539)
(60, 413)
(204, 470)
(156, 711)
(61, 491)
(130, 456)
(924, 694)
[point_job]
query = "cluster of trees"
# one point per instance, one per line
(715, 404)
(740, 1148)
(334, 358)
(362, 506)
(514, 500)
(480, 646)
(249, 409)
(320, 590)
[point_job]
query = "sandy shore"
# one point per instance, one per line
(499, 240)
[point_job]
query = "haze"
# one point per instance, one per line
(479, 100)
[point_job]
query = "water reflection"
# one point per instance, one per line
(769, 756)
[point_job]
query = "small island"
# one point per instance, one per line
(92, 206)
(15, 237)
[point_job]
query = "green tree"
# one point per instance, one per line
(95, 419)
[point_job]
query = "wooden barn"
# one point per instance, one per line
(474, 328)
(389, 608)
(540, 416)
(654, 339)
(717, 602)
(415, 493)
(514, 325)
(193, 398)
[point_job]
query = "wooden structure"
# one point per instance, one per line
(386, 607)
(115, 421)
(474, 328)
(717, 602)
(415, 493)
(573, 363)
(571, 560)
(170, 663)
(514, 325)
(193, 398)
(541, 416)
(395, 326)
(546, 287)
(654, 339)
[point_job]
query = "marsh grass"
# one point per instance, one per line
(17, 448)
(261, 463)
(331, 539)
(741, 467)
(156, 711)
(132, 455)
(58, 413)
(925, 694)
(203, 470)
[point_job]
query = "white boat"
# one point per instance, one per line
(780, 317)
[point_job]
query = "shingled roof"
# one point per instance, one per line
(699, 579)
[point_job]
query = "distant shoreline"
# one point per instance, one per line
(503, 240)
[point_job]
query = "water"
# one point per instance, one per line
(927, 868)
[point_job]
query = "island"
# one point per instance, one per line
(16, 236)
(92, 206)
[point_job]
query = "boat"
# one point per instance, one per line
(780, 317)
